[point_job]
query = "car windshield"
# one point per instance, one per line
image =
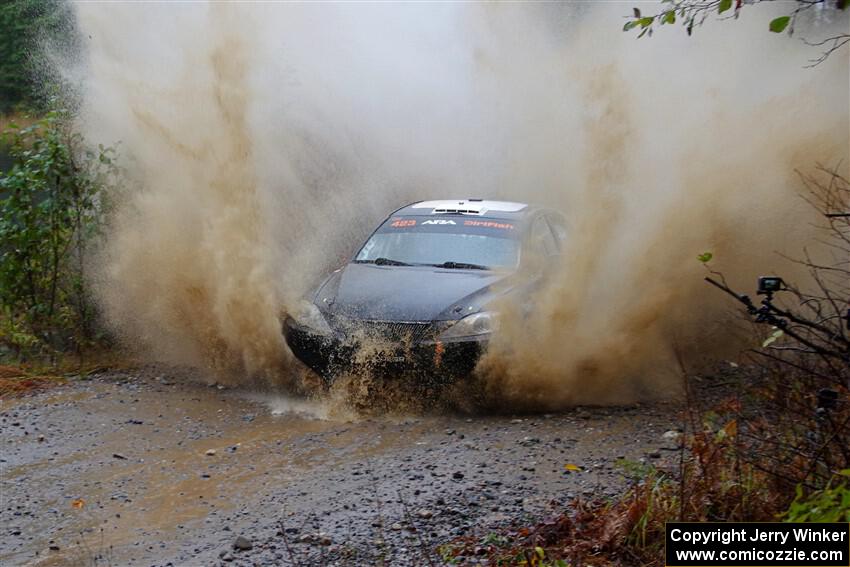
(440, 241)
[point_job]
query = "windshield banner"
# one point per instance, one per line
(455, 224)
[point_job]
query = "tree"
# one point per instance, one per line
(693, 13)
(23, 23)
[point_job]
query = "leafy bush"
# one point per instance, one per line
(830, 504)
(51, 208)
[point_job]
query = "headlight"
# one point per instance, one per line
(473, 325)
(308, 315)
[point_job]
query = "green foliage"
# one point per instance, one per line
(635, 470)
(51, 205)
(693, 13)
(494, 539)
(831, 504)
(778, 25)
(705, 257)
(447, 554)
(774, 336)
(23, 23)
(15, 332)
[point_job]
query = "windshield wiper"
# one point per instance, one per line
(461, 266)
(382, 262)
(448, 265)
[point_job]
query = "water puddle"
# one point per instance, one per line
(281, 405)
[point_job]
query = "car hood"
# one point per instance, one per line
(402, 293)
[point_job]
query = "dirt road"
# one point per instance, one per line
(150, 468)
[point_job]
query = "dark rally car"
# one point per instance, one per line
(417, 296)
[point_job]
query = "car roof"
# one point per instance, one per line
(467, 207)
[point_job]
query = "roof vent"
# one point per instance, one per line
(459, 208)
(458, 211)
(469, 206)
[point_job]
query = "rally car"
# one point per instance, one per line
(418, 296)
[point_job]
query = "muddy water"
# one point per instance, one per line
(172, 471)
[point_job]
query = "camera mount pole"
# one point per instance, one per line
(765, 314)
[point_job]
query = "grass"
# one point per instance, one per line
(17, 378)
(17, 381)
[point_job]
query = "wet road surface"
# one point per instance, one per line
(147, 468)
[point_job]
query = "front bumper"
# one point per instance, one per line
(430, 360)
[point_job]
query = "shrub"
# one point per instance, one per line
(830, 504)
(51, 210)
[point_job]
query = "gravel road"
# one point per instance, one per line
(156, 468)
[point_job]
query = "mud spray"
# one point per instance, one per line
(263, 141)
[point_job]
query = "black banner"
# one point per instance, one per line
(762, 544)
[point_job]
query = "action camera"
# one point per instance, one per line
(769, 284)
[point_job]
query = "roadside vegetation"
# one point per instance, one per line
(24, 26)
(51, 214)
(53, 188)
(54, 203)
(775, 446)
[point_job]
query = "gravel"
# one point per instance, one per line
(133, 448)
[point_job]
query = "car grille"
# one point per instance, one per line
(387, 331)
(397, 331)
